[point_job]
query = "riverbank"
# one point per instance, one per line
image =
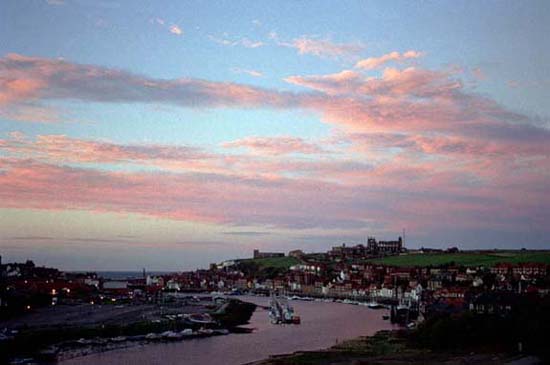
(56, 337)
(323, 324)
(390, 347)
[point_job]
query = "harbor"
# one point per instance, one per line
(323, 324)
(65, 332)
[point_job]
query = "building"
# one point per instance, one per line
(116, 286)
(357, 251)
(384, 247)
(296, 253)
(263, 255)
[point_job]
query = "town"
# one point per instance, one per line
(346, 272)
(415, 287)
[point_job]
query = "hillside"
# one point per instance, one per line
(466, 258)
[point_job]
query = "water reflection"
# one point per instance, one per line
(323, 324)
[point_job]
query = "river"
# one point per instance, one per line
(323, 324)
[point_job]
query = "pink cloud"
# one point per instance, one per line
(343, 82)
(377, 62)
(18, 88)
(411, 101)
(59, 149)
(24, 79)
(478, 73)
(393, 82)
(252, 73)
(174, 29)
(352, 195)
(275, 145)
(417, 148)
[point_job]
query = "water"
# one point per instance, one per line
(323, 324)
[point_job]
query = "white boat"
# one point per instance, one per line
(187, 332)
(153, 336)
(175, 336)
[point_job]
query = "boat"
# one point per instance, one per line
(175, 336)
(200, 318)
(205, 331)
(280, 311)
(187, 332)
(83, 341)
(374, 305)
(153, 336)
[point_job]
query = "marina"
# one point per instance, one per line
(323, 323)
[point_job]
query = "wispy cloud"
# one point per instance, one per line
(243, 42)
(253, 73)
(377, 62)
(316, 46)
(478, 73)
(246, 233)
(60, 149)
(412, 99)
(174, 29)
(276, 145)
(24, 81)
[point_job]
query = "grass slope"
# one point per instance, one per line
(466, 258)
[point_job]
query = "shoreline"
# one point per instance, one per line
(57, 342)
(391, 348)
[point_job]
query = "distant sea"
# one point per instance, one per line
(117, 275)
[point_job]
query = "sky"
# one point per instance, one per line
(172, 134)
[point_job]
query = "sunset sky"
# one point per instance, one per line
(168, 135)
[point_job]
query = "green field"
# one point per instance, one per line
(466, 258)
(273, 262)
